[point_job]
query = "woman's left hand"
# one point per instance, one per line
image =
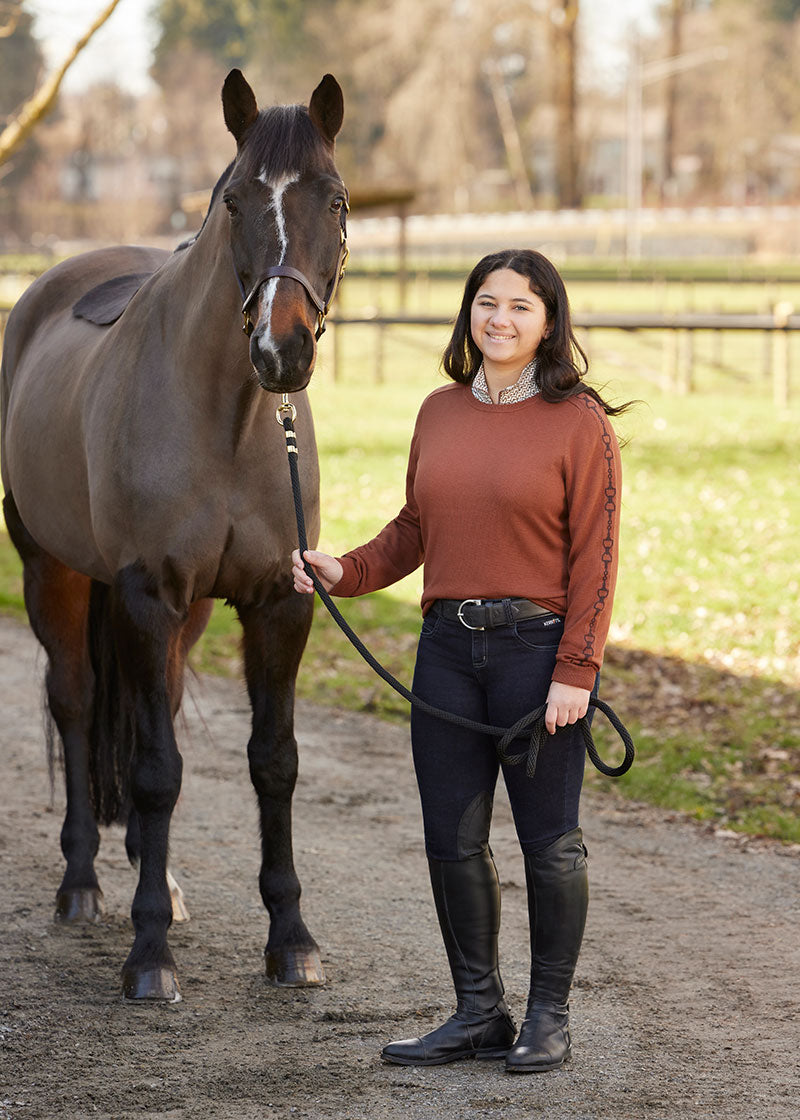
(565, 704)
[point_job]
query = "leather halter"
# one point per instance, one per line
(322, 305)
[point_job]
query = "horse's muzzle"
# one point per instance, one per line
(283, 365)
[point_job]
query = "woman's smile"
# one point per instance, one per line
(508, 320)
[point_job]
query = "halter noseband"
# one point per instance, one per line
(323, 306)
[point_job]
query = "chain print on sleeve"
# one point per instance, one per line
(610, 506)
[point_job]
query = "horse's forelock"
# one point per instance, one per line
(282, 141)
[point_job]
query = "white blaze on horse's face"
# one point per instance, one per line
(266, 343)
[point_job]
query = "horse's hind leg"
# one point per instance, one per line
(274, 637)
(57, 601)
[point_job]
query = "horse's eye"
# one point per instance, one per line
(230, 205)
(337, 204)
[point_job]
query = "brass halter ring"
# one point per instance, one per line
(285, 408)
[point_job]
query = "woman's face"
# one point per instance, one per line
(507, 322)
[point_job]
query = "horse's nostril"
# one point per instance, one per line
(294, 352)
(283, 364)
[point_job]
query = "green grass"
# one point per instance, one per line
(703, 663)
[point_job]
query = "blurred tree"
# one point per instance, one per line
(20, 65)
(786, 10)
(273, 41)
(564, 38)
(219, 28)
(675, 13)
(22, 124)
(736, 123)
(233, 32)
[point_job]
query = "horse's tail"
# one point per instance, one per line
(111, 737)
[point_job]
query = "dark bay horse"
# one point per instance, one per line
(145, 476)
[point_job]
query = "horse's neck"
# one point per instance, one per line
(201, 312)
(203, 306)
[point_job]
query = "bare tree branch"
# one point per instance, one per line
(43, 99)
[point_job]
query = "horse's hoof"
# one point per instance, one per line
(80, 904)
(295, 968)
(152, 983)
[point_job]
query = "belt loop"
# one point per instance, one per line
(510, 614)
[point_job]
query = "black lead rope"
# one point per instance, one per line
(532, 724)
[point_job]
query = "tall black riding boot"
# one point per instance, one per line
(467, 897)
(558, 897)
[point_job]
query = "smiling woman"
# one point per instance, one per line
(507, 323)
(512, 503)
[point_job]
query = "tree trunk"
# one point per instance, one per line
(564, 19)
(676, 13)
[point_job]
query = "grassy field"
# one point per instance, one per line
(703, 663)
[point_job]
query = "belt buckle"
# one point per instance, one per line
(461, 618)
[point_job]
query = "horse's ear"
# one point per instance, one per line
(326, 108)
(238, 104)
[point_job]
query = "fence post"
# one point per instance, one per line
(716, 344)
(671, 357)
(780, 354)
(379, 326)
(336, 355)
(685, 362)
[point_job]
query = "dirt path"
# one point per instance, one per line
(685, 1004)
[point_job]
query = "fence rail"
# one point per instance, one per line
(680, 328)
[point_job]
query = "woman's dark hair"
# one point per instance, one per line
(561, 363)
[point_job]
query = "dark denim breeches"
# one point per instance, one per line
(494, 677)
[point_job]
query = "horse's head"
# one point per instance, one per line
(287, 207)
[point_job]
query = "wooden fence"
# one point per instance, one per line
(680, 330)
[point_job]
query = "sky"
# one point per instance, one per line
(122, 49)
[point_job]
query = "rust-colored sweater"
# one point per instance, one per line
(516, 500)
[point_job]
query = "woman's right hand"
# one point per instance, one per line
(328, 569)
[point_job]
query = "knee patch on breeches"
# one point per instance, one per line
(473, 828)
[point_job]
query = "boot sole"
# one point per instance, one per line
(539, 1068)
(478, 1055)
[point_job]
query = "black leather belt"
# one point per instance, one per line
(487, 614)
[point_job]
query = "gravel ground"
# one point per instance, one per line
(685, 1004)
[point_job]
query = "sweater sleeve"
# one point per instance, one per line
(394, 553)
(593, 493)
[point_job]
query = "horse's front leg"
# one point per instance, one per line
(146, 631)
(274, 638)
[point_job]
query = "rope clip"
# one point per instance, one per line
(285, 408)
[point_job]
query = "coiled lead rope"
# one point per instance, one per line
(531, 724)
